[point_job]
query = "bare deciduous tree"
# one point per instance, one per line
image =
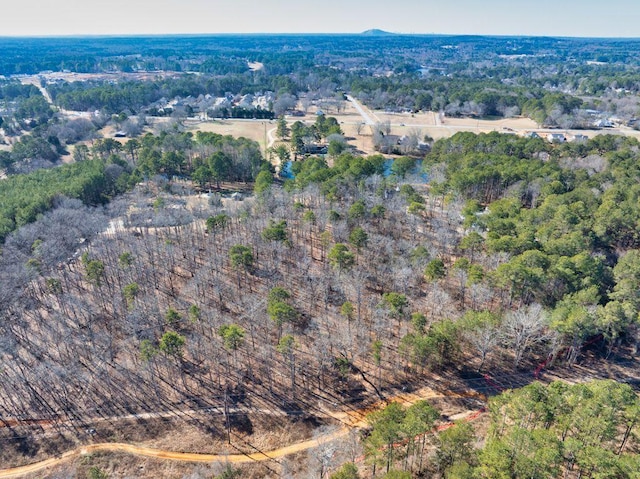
(522, 329)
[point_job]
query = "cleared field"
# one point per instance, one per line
(253, 129)
(259, 130)
(443, 127)
(360, 135)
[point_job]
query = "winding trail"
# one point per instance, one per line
(350, 420)
(171, 455)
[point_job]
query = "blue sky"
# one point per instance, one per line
(609, 18)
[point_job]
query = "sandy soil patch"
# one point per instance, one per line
(255, 66)
(73, 77)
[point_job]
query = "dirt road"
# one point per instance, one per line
(171, 455)
(349, 420)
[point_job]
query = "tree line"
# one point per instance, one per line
(555, 430)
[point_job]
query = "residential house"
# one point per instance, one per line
(556, 138)
(579, 138)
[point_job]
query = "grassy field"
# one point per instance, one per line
(253, 129)
(424, 123)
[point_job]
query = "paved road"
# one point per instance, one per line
(365, 116)
(35, 82)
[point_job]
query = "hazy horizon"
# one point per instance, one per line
(547, 18)
(230, 34)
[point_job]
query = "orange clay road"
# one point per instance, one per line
(350, 420)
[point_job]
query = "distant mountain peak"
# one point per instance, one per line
(377, 33)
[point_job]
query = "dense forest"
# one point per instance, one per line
(157, 278)
(340, 284)
(227, 53)
(536, 431)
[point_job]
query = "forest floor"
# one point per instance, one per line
(273, 438)
(169, 448)
(157, 440)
